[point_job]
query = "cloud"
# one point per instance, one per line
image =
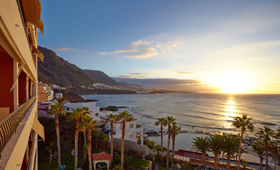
(185, 72)
(170, 84)
(70, 49)
(64, 49)
(139, 49)
(136, 74)
(102, 53)
(145, 52)
(131, 77)
(144, 49)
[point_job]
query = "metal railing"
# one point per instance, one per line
(9, 124)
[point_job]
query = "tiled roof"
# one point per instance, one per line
(101, 156)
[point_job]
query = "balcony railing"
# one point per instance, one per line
(9, 124)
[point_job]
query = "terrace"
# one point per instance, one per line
(13, 130)
(9, 124)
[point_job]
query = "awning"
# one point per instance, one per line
(32, 13)
(36, 51)
(182, 158)
(38, 128)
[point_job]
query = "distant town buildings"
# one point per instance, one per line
(45, 92)
(102, 86)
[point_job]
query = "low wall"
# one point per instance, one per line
(129, 145)
(150, 166)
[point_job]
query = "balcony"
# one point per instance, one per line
(9, 124)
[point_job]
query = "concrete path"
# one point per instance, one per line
(156, 166)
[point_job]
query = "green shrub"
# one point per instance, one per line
(137, 163)
(117, 160)
(118, 167)
(139, 141)
(142, 168)
(186, 166)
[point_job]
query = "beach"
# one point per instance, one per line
(182, 141)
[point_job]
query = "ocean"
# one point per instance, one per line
(213, 113)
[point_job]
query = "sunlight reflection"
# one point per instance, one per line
(230, 112)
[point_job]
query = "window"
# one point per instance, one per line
(96, 114)
(131, 125)
(67, 108)
(130, 136)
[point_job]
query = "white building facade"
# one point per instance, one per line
(91, 106)
(133, 130)
(58, 95)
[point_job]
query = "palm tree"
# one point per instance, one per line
(265, 133)
(104, 139)
(124, 117)
(55, 109)
(157, 148)
(112, 118)
(50, 149)
(88, 125)
(215, 146)
(273, 148)
(201, 144)
(151, 144)
(86, 110)
(230, 145)
(96, 133)
(162, 122)
(258, 147)
(277, 136)
(169, 121)
(174, 131)
(77, 115)
(243, 123)
(244, 164)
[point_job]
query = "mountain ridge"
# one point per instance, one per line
(56, 70)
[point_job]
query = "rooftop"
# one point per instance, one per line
(101, 156)
(190, 154)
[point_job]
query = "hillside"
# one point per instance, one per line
(102, 77)
(56, 70)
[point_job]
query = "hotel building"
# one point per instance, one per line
(19, 126)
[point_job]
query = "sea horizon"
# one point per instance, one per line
(211, 112)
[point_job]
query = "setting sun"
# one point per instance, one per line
(234, 83)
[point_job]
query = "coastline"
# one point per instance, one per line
(183, 140)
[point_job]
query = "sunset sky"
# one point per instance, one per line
(202, 46)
